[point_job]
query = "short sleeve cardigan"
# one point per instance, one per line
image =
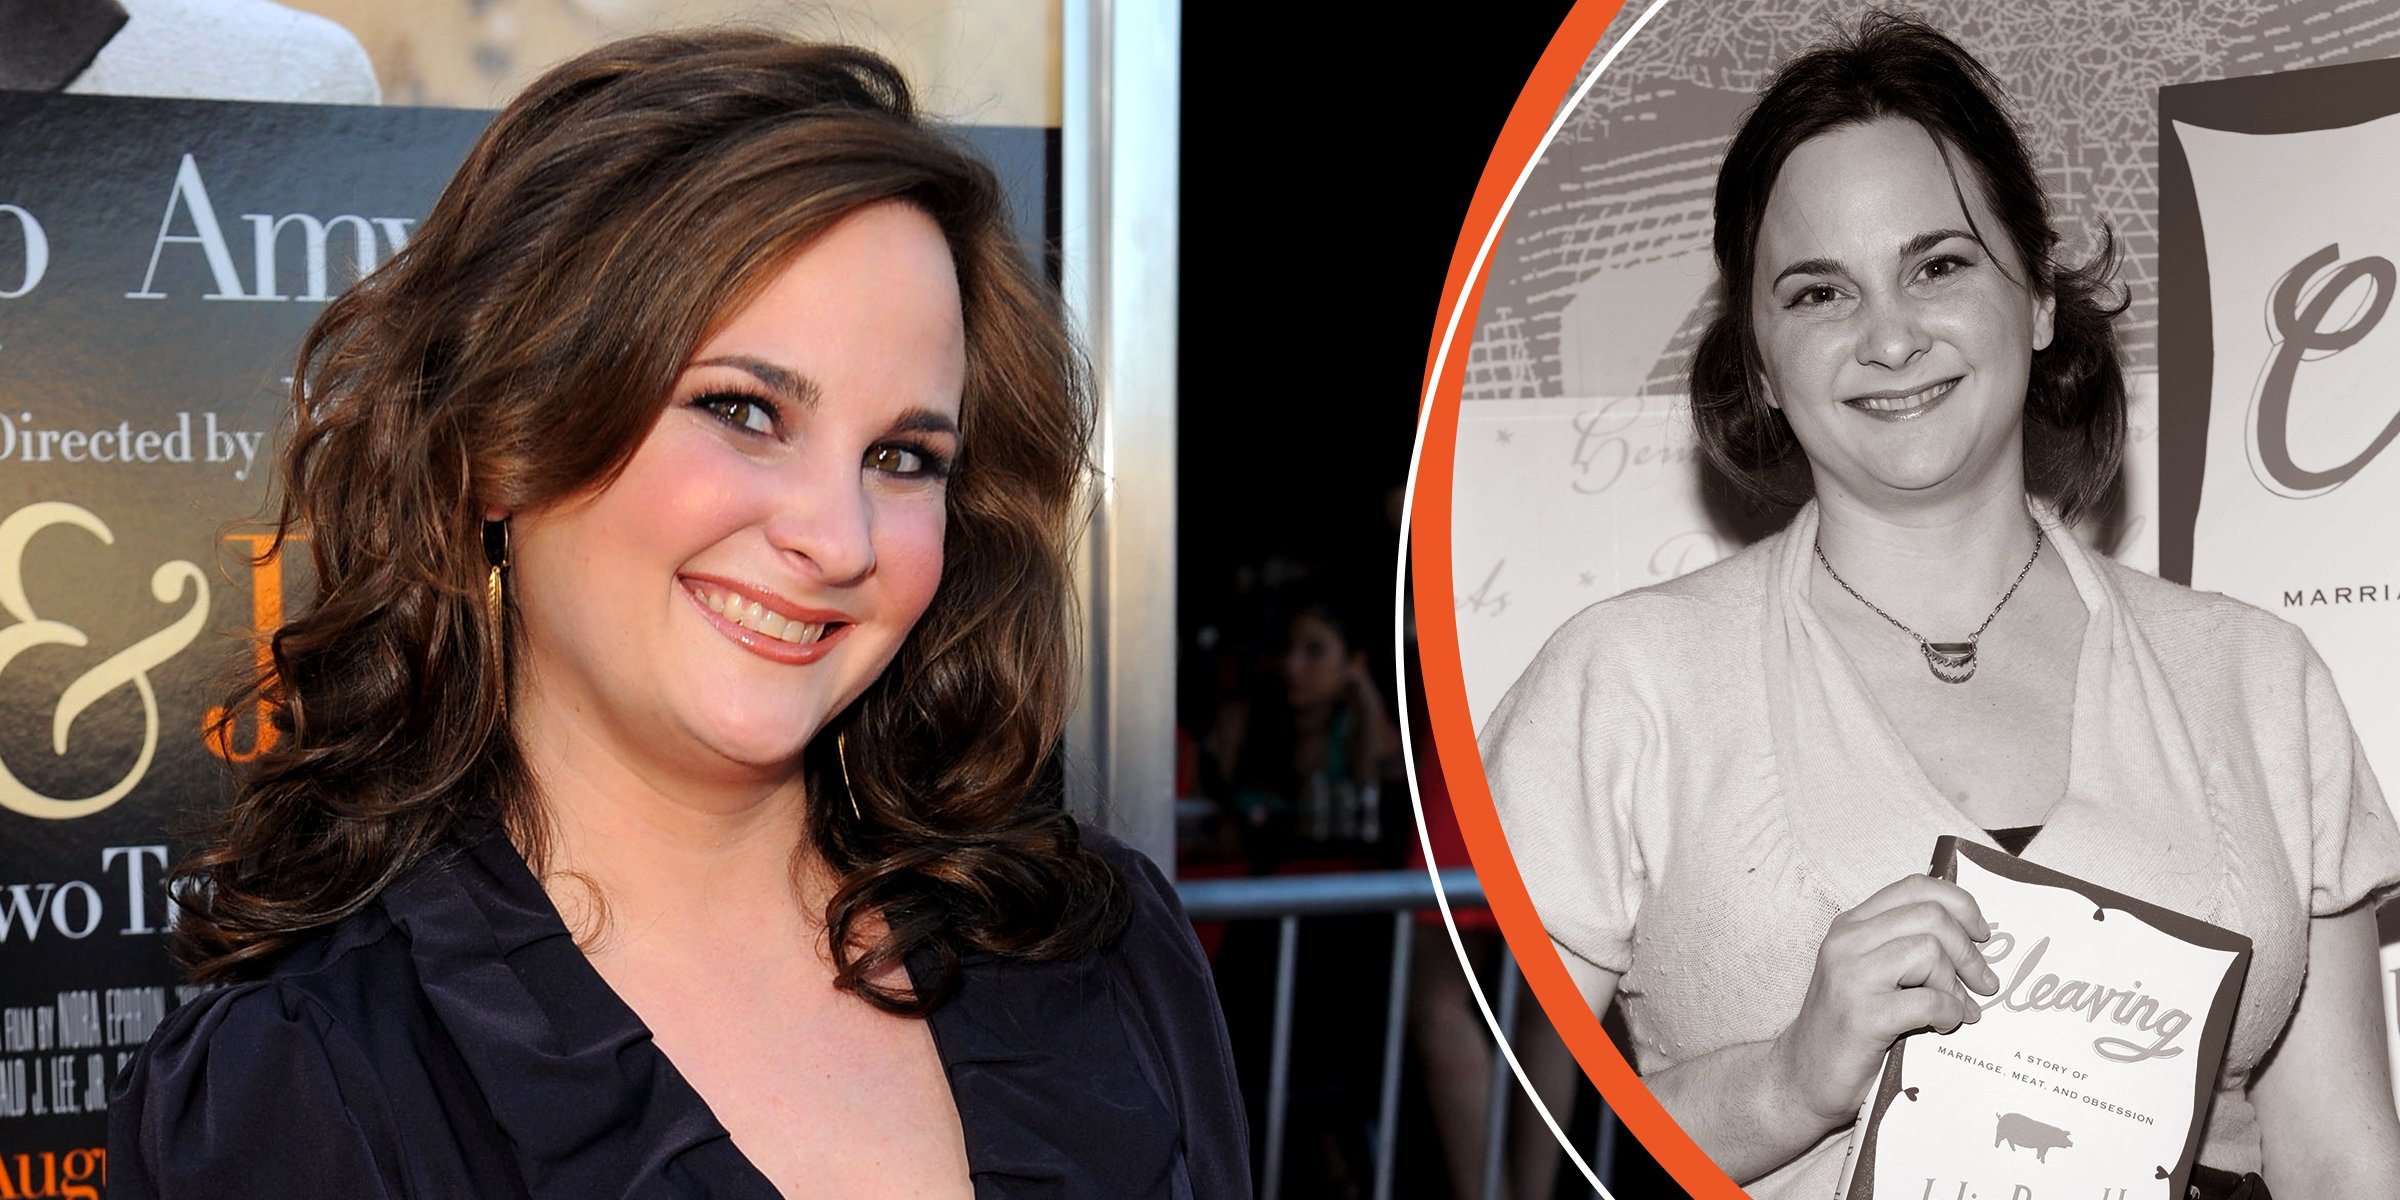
(1694, 782)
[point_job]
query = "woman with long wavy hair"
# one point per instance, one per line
(658, 801)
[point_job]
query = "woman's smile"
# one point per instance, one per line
(767, 624)
(1903, 405)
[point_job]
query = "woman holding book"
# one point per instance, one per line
(656, 804)
(1721, 790)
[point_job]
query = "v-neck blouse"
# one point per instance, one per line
(1694, 781)
(451, 1040)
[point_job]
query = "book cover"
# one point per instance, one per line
(2089, 1075)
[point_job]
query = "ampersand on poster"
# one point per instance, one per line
(173, 582)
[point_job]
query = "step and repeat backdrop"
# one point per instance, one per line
(2244, 154)
(161, 253)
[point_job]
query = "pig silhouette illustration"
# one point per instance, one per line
(2022, 1132)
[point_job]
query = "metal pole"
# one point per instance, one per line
(1121, 114)
(1395, 1019)
(1495, 1121)
(1321, 895)
(1279, 1057)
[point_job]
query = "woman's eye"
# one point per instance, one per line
(1943, 268)
(897, 460)
(1814, 296)
(741, 412)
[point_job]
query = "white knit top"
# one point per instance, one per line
(1694, 782)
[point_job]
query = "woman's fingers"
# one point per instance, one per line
(1937, 1008)
(1928, 917)
(1924, 889)
(1905, 959)
(1918, 974)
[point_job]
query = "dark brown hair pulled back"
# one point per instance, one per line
(515, 354)
(1895, 66)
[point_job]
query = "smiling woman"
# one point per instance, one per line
(656, 805)
(1741, 773)
(786, 510)
(1939, 322)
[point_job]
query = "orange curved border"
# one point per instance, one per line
(1545, 90)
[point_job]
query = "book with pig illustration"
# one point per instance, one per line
(2091, 1070)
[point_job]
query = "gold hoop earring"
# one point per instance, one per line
(841, 754)
(495, 599)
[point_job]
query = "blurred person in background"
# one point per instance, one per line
(1308, 761)
(1304, 762)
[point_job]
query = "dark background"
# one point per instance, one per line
(1327, 169)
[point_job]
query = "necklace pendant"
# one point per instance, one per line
(1952, 662)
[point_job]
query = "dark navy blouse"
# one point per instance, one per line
(450, 1040)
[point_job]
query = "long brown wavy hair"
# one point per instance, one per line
(630, 202)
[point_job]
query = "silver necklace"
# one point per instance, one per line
(1952, 662)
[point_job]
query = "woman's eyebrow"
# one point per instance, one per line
(925, 420)
(1934, 237)
(1809, 266)
(789, 385)
(1909, 249)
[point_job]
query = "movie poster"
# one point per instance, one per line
(158, 263)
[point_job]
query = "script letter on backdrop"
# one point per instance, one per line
(2277, 361)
